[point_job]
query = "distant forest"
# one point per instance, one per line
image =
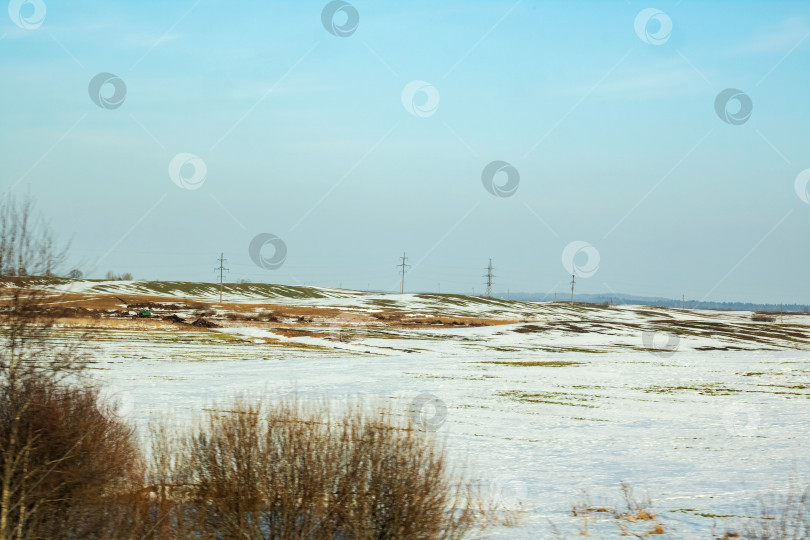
(622, 299)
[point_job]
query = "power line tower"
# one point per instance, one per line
(573, 282)
(222, 271)
(489, 277)
(403, 265)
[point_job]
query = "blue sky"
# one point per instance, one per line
(304, 135)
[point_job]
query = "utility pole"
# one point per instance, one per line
(222, 270)
(403, 264)
(573, 282)
(683, 300)
(489, 277)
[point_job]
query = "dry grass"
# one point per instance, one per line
(636, 512)
(781, 517)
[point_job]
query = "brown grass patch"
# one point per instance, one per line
(75, 309)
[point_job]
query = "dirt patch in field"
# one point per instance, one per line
(294, 333)
(76, 309)
(205, 323)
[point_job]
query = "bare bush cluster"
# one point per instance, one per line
(285, 471)
(62, 462)
(253, 472)
(66, 468)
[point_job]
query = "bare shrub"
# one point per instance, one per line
(27, 244)
(288, 471)
(27, 320)
(65, 466)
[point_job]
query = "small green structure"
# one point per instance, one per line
(145, 312)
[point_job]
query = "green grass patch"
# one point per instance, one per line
(705, 389)
(551, 398)
(706, 515)
(535, 363)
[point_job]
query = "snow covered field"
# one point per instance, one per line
(570, 399)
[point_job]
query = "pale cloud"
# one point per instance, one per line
(79, 35)
(146, 40)
(776, 39)
(663, 83)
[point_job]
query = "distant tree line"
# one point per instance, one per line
(619, 299)
(112, 276)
